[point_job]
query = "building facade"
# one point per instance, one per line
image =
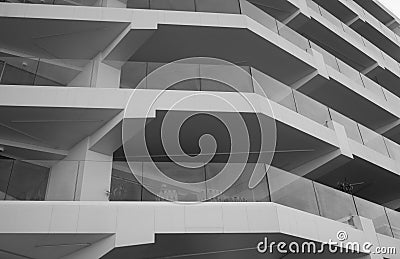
(199, 129)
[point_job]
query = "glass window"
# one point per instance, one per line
(233, 79)
(350, 126)
(177, 5)
(5, 173)
(374, 212)
(220, 6)
(239, 191)
(171, 76)
(311, 108)
(258, 15)
(273, 89)
(349, 72)
(293, 36)
(394, 219)
(124, 190)
(169, 191)
(334, 204)
(124, 181)
(329, 59)
(138, 4)
(17, 76)
(291, 190)
(132, 73)
(1, 68)
(373, 140)
(28, 182)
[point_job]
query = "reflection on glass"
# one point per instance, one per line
(311, 108)
(177, 5)
(349, 72)
(293, 36)
(374, 212)
(124, 182)
(176, 172)
(19, 72)
(394, 220)
(329, 59)
(393, 148)
(258, 15)
(349, 125)
(27, 182)
(230, 78)
(331, 18)
(46, 72)
(132, 73)
(391, 63)
(311, 4)
(334, 204)
(5, 173)
(273, 89)
(353, 34)
(239, 191)
(171, 76)
(292, 190)
(138, 4)
(373, 87)
(59, 2)
(220, 6)
(125, 190)
(373, 140)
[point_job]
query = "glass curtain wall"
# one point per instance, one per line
(21, 180)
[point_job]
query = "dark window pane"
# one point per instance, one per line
(239, 191)
(171, 76)
(138, 4)
(5, 172)
(28, 182)
(123, 190)
(124, 181)
(132, 73)
(42, 81)
(17, 76)
(177, 5)
(394, 219)
(168, 190)
(291, 190)
(376, 213)
(335, 204)
(218, 6)
(225, 78)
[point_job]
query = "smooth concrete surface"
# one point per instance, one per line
(134, 223)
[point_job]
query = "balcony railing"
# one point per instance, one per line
(378, 54)
(238, 7)
(45, 72)
(20, 180)
(60, 2)
(79, 73)
(277, 186)
(375, 22)
(268, 87)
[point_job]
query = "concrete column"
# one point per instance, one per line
(84, 175)
(98, 74)
(105, 75)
